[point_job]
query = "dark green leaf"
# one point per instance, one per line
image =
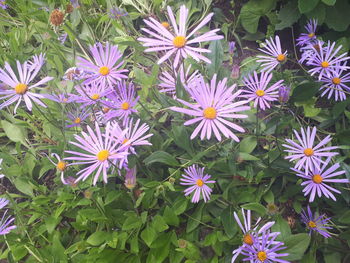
(161, 157)
(307, 6)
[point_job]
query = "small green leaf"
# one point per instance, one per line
(255, 207)
(288, 15)
(248, 144)
(14, 132)
(98, 238)
(296, 246)
(170, 217)
(195, 218)
(159, 224)
(306, 6)
(23, 185)
(148, 235)
(228, 222)
(215, 56)
(329, 2)
(304, 91)
(161, 157)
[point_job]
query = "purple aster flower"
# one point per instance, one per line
(214, 104)
(317, 179)
(231, 47)
(60, 98)
(275, 55)
(62, 38)
(178, 42)
(37, 61)
(101, 151)
(195, 177)
(61, 165)
(5, 222)
(308, 155)
(247, 230)
(1, 175)
(313, 223)
(335, 84)
(257, 89)
(168, 82)
(306, 38)
(3, 4)
(90, 94)
(308, 51)
(74, 73)
(265, 250)
(19, 88)
(130, 178)
(235, 72)
(116, 13)
(103, 68)
(75, 3)
(326, 60)
(77, 118)
(283, 94)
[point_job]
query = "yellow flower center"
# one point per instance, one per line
(260, 92)
(317, 179)
(61, 165)
(312, 224)
(324, 64)
(165, 24)
(336, 81)
(103, 155)
(105, 109)
(262, 256)
(281, 57)
(311, 35)
(21, 88)
(248, 239)
(308, 152)
(95, 97)
(77, 120)
(209, 113)
(179, 41)
(199, 182)
(104, 70)
(125, 141)
(125, 106)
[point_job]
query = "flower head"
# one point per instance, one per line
(104, 67)
(231, 47)
(130, 178)
(275, 55)
(195, 177)
(5, 222)
(3, 4)
(74, 73)
(283, 94)
(60, 164)
(64, 98)
(314, 223)
(62, 38)
(77, 117)
(56, 17)
(178, 42)
(258, 91)
(90, 94)
(214, 104)
(308, 155)
(308, 51)
(306, 38)
(116, 13)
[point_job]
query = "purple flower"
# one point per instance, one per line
(214, 103)
(275, 55)
(178, 42)
(1, 175)
(5, 222)
(74, 73)
(335, 84)
(283, 94)
(317, 179)
(77, 117)
(60, 98)
(101, 152)
(3, 4)
(231, 47)
(318, 224)
(90, 94)
(257, 89)
(20, 87)
(62, 38)
(265, 250)
(195, 177)
(308, 155)
(103, 69)
(116, 13)
(61, 165)
(326, 60)
(306, 38)
(308, 51)
(75, 3)
(130, 178)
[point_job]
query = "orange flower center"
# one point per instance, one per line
(199, 182)
(336, 81)
(21, 88)
(261, 256)
(312, 224)
(281, 57)
(179, 41)
(61, 166)
(317, 179)
(125, 106)
(209, 113)
(260, 92)
(308, 152)
(77, 120)
(311, 35)
(103, 155)
(248, 239)
(165, 24)
(95, 97)
(104, 70)
(324, 64)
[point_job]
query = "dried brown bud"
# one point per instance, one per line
(69, 8)
(56, 17)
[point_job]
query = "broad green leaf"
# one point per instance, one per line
(288, 15)
(248, 144)
(296, 246)
(170, 217)
(98, 238)
(337, 16)
(329, 2)
(247, 157)
(51, 222)
(281, 226)
(215, 56)
(161, 157)
(14, 132)
(195, 218)
(23, 185)
(307, 6)
(228, 221)
(319, 13)
(304, 91)
(148, 235)
(255, 207)
(159, 224)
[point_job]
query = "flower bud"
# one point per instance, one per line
(88, 194)
(56, 17)
(130, 178)
(283, 93)
(235, 71)
(231, 47)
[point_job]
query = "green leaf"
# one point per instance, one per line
(329, 2)
(161, 157)
(132, 222)
(247, 157)
(228, 221)
(19, 252)
(159, 224)
(215, 56)
(306, 6)
(255, 207)
(319, 13)
(337, 16)
(98, 238)
(51, 222)
(148, 235)
(296, 246)
(345, 218)
(13, 132)
(281, 226)
(23, 185)
(304, 91)
(170, 217)
(288, 15)
(248, 144)
(180, 205)
(195, 218)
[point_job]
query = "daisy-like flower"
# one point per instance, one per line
(3, 4)
(64, 98)
(1, 175)
(19, 88)
(116, 13)
(60, 164)
(308, 51)
(283, 94)
(308, 155)
(195, 177)
(265, 250)
(335, 84)
(5, 222)
(103, 69)
(247, 230)
(258, 91)
(74, 73)
(275, 55)
(214, 103)
(314, 223)
(317, 179)
(90, 94)
(77, 118)
(101, 152)
(306, 38)
(180, 42)
(326, 60)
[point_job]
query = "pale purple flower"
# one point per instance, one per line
(90, 94)
(130, 178)
(103, 68)
(60, 165)
(214, 105)
(318, 224)
(231, 47)
(75, 3)
(19, 88)
(257, 90)
(1, 175)
(335, 84)
(77, 117)
(326, 60)
(308, 51)
(74, 73)
(3, 4)
(308, 155)
(265, 250)
(101, 151)
(275, 55)
(5, 222)
(64, 98)
(306, 38)
(62, 38)
(37, 61)
(283, 93)
(178, 42)
(116, 13)
(198, 183)
(316, 180)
